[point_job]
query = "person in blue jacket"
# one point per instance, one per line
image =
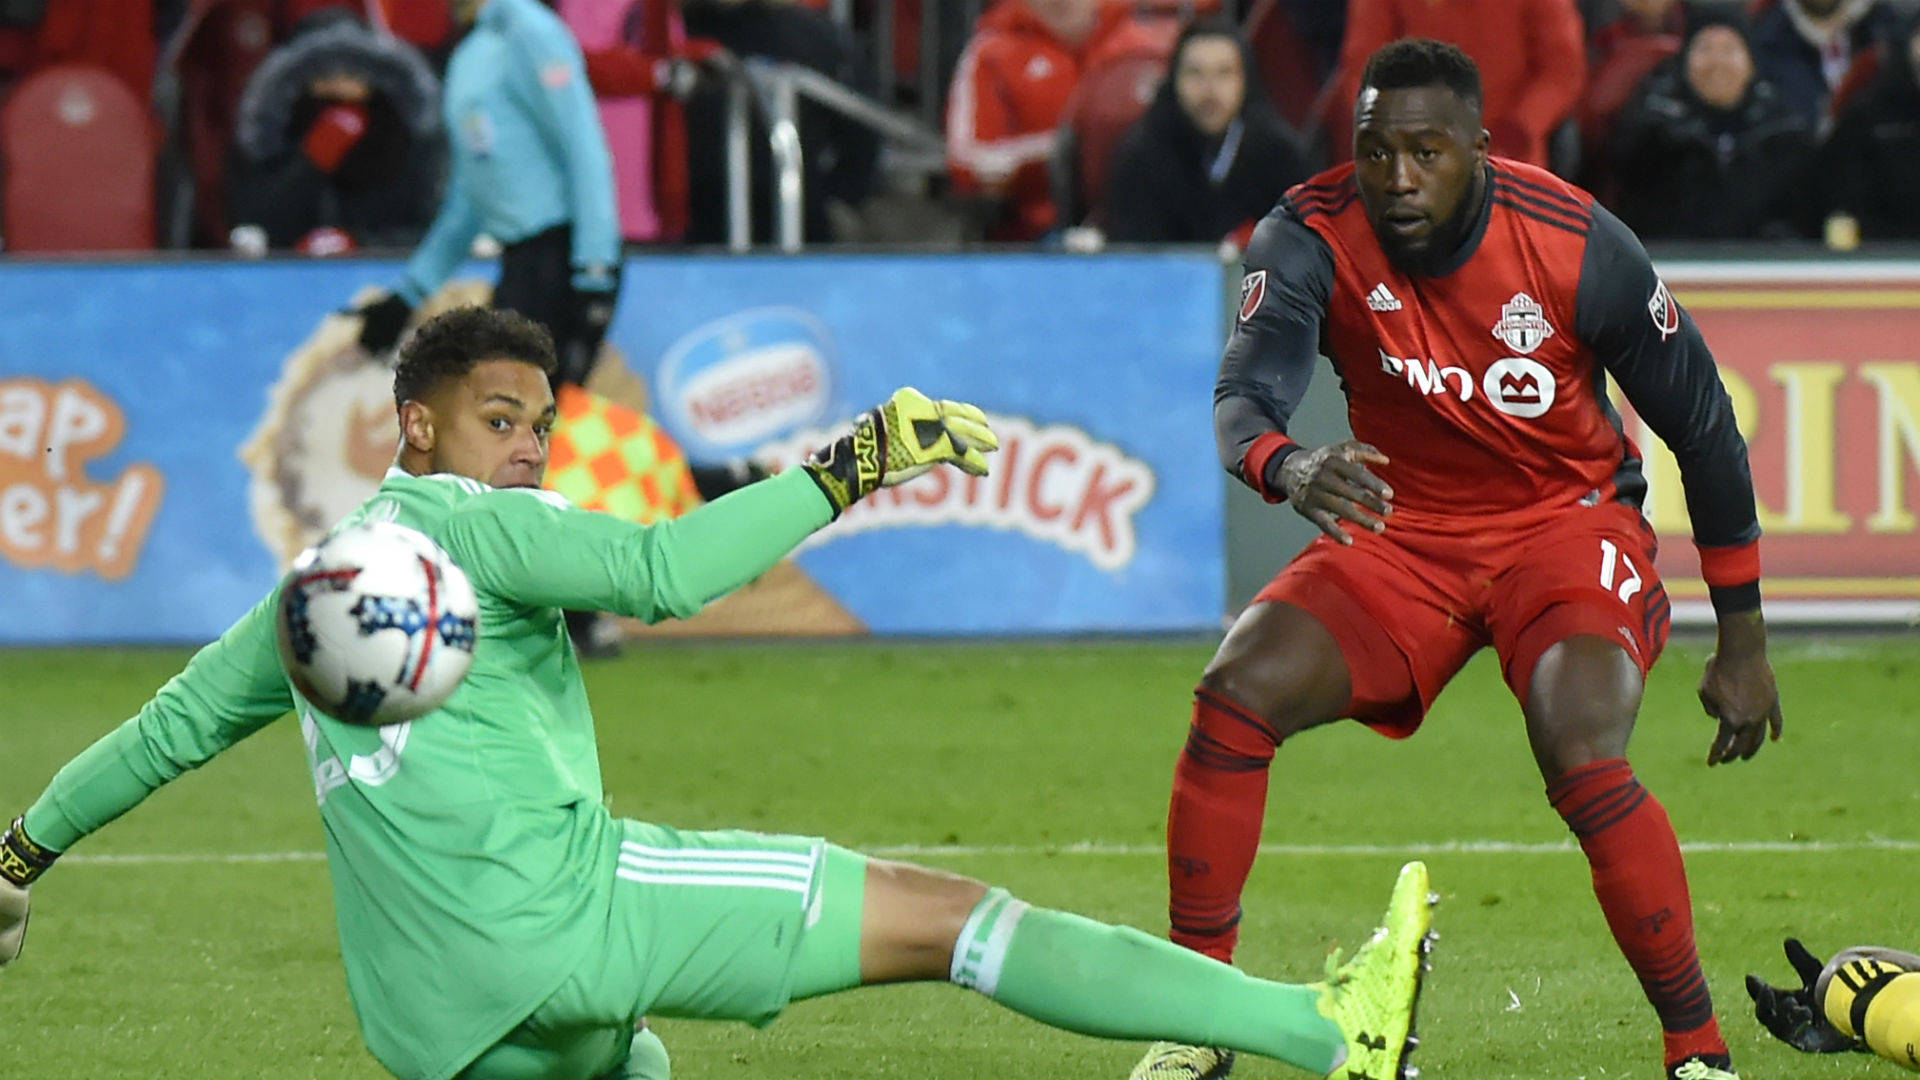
(530, 168)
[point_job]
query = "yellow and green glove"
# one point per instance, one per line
(21, 860)
(898, 441)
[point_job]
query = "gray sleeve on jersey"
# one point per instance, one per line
(1269, 357)
(1650, 345)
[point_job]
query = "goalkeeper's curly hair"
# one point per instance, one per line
(448, 345)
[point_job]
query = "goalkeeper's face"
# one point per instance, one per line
(490, 425)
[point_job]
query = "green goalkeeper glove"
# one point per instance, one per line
(898, 441)
(21, 860)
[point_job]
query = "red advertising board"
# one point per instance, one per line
(1822, 361)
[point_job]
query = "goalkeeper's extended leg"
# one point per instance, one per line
(1112, 981)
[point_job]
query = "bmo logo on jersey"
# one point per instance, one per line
(1519, 387)
(1516, 385)
(1427, 376)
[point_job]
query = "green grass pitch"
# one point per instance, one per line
(195, 937)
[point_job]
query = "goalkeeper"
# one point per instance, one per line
(497, 923)
(1866, 998)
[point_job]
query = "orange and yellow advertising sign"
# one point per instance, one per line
(52, 514)
(1822, 362)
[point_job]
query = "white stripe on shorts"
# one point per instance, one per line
(629, 861)
(738, 881)
(793, 858)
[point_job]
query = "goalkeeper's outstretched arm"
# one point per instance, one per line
(536, 549)
(229, 690)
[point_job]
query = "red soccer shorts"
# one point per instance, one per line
(1410, 606)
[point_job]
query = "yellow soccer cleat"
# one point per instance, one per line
(1701, 1068)
(1178, 1061)
(1372, 997)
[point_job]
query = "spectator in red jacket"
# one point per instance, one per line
(1013, 82)
(1532, 56)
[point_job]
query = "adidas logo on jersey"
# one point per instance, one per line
(1382, 300)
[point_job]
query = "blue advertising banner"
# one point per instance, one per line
(172, 433)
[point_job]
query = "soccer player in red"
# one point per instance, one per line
(1474, 308)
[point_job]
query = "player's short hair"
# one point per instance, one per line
(448, 345)
(1416, 62)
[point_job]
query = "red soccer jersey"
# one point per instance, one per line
(1472, 383)
(1485, 380)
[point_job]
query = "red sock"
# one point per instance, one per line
(1642, 886)
(1213, 827)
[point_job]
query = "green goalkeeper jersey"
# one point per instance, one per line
(471, 852)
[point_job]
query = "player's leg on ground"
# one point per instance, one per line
(1278, 671)
(1580, 706)
(1873, 994)
(917, 924)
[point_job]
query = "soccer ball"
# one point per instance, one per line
(377, 624)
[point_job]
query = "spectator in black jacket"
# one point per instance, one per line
(1708, 151)
(338, 143)
(1872, 161)
(1808, 48)
(1209, 156)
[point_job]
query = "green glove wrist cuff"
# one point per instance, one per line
(22, 860)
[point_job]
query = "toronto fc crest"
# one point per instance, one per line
(1523, 324)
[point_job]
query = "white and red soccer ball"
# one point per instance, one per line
(377, 624)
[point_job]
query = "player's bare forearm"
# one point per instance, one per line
(1742, 633)
(1738, 689)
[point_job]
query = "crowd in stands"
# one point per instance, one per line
(316, 127)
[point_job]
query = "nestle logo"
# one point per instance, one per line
(754, 394)
(719, 401)
(739, 381)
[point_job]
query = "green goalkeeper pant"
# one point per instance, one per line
(706, 925)
(733, 926)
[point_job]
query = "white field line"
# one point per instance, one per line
(895, 851)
